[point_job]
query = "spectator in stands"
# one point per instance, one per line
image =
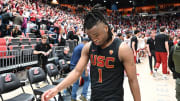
(72, 34)
(18, 20)
(16, 32)
(61, 41)
(6, 17)
(33, 17)
(2, 27)
(24, 26)
(79, 37)
(7, 30)
(43, 49)
(65, 54)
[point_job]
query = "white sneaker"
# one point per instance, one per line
(164, 77)
(155, 74)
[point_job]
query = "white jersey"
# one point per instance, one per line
(141, 43)
(127, 41)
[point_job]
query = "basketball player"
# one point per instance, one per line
(109, 58)
(134, 43)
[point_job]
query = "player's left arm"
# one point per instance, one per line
(126, 56)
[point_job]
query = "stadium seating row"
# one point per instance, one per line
(19, 41)
(10, 82)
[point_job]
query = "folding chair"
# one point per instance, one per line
(53, 72)
(64, 67)
(36, 75)
(9, 82)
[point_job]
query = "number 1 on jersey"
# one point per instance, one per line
(100, 75)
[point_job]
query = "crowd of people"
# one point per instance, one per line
(20, 17)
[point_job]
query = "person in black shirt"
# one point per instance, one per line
(65, 54)
(61, 41)
(134, 43)
(43, 50)
(2, 28)
(162, 50)
(151, 50)
(70, 35)
(16, 31)
(109, 58)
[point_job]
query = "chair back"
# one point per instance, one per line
(52, 70)
(8, 82)
(36, 74)
(63, 65)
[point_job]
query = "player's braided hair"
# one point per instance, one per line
(97, 14)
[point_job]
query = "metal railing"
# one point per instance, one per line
(18, 59)
(14, 59)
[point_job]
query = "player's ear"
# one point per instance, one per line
(106, 28)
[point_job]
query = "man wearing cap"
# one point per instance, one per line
(74, 60)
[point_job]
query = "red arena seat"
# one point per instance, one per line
(2, 42)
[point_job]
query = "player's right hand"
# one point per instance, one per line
(49, 94)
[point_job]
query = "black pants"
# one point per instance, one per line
(150, 59)
(42, 64)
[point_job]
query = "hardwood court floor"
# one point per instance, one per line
(152, 89)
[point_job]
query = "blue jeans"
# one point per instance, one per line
(76, 86)
(24, 31)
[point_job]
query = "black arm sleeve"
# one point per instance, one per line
(170, 60)
(148, 41)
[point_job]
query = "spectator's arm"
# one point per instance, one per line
(49, 51)
(37, 52)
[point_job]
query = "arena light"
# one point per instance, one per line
(54, 2)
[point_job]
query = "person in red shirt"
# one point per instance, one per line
(33, 17)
